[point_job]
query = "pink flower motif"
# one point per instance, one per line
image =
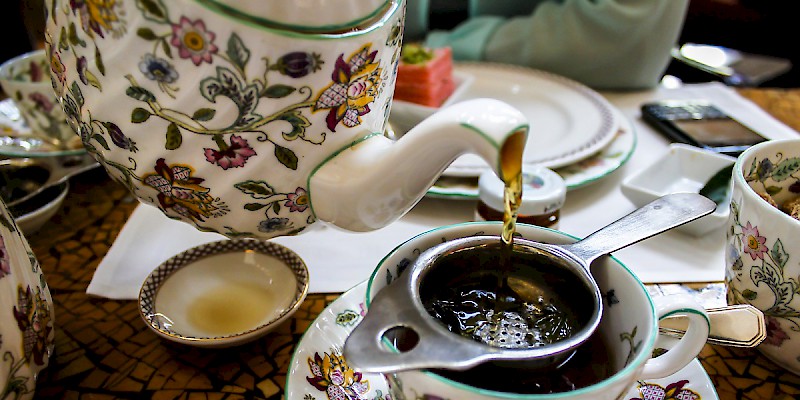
(233, 156)
(753, 242)
(5, 264)
(297, 201)
(775, 335)
(193, 40)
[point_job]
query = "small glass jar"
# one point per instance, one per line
(543, 194)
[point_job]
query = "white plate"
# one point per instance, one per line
(569, 121)
(579, 174)
(326, 336)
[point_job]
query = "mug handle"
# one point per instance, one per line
(687, 347)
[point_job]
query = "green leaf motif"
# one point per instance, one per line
(204, 114)
(166, 48)
(139, 115)
(77, 93)
(146, 34)
(785, 169)
(153, 10)
(347, 318)
(255, 189)
(101, 140)
(779, 254)
(98, 61)
(63, 41)
(276, 207)
(174, 137)
(74, 39)
(237, 51)
(254, 206)
(299, 124)
(278, 91)
(717, 187)
(773, 190)
(140, 93)
(286, 157)
(92, 79)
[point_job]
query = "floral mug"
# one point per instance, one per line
(26, 319)
(762, 241)
(208, 111)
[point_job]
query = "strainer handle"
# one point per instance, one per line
(367, 350)
(653, 218)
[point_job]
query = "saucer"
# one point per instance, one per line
(16, 139)
(569, 121)
(223, 293)
(311, 372)
(577, 175)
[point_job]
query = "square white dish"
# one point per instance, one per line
(406, 115)
(682, 169)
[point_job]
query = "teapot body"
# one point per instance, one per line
(215, 119)
(26, 316)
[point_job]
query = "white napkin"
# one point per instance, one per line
(338, 260)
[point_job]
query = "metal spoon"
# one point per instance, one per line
(739, 325)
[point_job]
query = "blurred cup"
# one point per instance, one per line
(26, 80)
(763, 244)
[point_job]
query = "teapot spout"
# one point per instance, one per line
(376, 180)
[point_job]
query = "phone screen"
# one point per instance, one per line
(718, 132)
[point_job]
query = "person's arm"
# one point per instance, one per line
(618, 44)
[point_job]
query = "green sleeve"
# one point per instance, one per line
(606, 44)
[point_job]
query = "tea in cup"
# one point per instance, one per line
(604, 367)
(26, 81)
(761, 268)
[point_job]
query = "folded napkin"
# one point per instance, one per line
(338, 260)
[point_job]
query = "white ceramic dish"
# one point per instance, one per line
(577, 175)
(311, 372)
(569, 121)
(223, 293)
(681, 169)
(405, 115)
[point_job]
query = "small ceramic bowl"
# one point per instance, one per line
(223, 293)
(405, 114)
(18, 140)
(682, 169)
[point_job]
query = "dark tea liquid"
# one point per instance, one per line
(591, 364)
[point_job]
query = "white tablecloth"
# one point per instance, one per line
(338, 260)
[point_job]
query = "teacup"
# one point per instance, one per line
(26, 80)
(762, 240)
(26, 322)
(627, 332)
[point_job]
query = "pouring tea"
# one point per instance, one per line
(224, 118)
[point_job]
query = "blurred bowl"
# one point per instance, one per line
(18, 140)
(32, 214)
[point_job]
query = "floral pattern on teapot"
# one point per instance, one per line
(250, 104)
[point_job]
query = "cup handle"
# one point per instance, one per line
(687, 347)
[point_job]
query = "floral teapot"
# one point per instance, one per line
(257, 118)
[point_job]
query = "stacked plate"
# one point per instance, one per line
(574, 130)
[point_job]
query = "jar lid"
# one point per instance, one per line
(543, 191)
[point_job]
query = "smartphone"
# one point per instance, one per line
(700, 123)
(736, 68)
